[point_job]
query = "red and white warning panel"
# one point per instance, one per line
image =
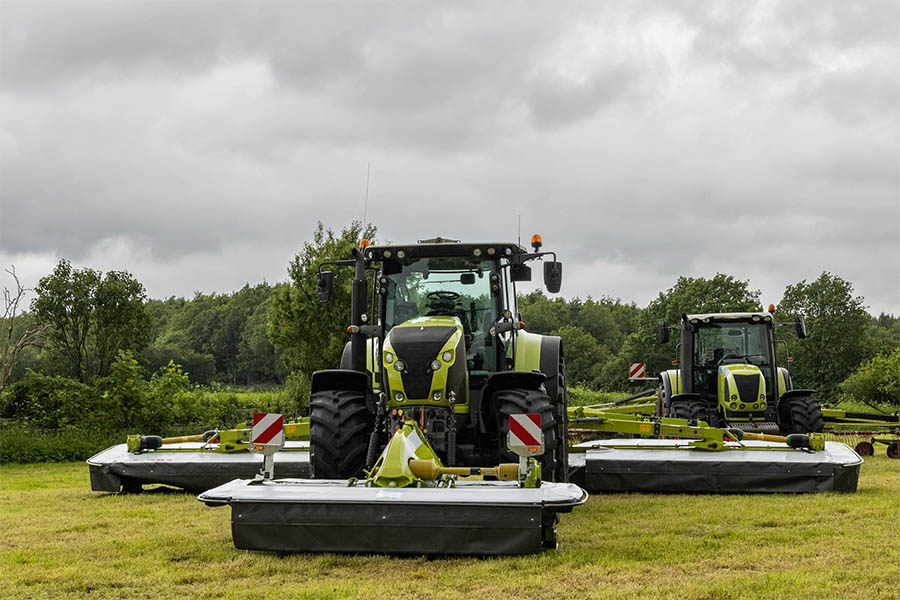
(637, 371)
(267, 431)
(525, 435)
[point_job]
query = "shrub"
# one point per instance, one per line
(22, 444)
(51, 402)
(876, 383)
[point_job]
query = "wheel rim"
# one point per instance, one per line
(865, 449)
(893, 450)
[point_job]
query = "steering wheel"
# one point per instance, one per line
(445, 295)
(732, 355)
(442, 302)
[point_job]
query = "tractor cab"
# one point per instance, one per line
(728, 359)
(456, 287)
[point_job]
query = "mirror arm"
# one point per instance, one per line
(337, 263)
(533, 255)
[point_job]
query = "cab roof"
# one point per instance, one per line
(442, 247)
(734, 316)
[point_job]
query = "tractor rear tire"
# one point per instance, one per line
(693, 410)
(801, 415)
(521, 401)
(339, 427)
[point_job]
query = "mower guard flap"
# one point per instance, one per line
(296, 515)
(672, 466)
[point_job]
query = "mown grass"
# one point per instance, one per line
(61, 540)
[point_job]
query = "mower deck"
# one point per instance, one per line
(620, 465)
(297, 515)
(187, 466)
(672, 466)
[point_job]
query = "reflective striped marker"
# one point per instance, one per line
(637, 371)
(525, 435)
(267, 430)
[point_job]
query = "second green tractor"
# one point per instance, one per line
(728, 376)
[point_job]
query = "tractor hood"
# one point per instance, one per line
(411, 352)
(742, 391)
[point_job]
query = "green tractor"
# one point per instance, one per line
(437, 339)
(728, 376)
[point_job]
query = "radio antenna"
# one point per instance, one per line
(366, 203)
(520, 230)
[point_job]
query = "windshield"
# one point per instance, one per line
(730, 343)
(454, 286)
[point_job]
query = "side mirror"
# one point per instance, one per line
(520, 272)
(662, 332)
(324, 283)
(800, 327)
(467, 278)
(553, 276)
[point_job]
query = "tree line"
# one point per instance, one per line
(80, 320)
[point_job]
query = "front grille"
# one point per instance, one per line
(747, 387)
(417, 347)
(757, 427)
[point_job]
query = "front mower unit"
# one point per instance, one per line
(296, 515)
(408, 504)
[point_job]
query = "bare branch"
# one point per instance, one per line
(10, 346)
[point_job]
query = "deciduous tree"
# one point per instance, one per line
(89, 317)
(839, 330)
(309, 334)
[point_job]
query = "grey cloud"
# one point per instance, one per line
(198, 144)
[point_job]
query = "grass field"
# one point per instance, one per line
(60, 540)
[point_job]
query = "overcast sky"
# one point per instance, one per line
(195, 145)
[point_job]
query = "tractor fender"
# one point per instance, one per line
(339, 379)
(784, 382)
(345, 356)
(795, 394)
(542, 353)
(669, 384)
(504, 380)
(551, 353)
(680, 397)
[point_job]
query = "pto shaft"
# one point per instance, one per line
(429, 471)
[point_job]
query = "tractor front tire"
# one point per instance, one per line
(521, 401)
(693, 409)
(339, 427)
(801, 415)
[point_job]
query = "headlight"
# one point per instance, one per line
(447, 356)
(399, 365)
(398, 396)
(437, 396)
(733, 405)
(743, 406)
(762, 404)
(762, 396)
(388, 358)
(734, 396)
(435, 365)
(756, 406)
